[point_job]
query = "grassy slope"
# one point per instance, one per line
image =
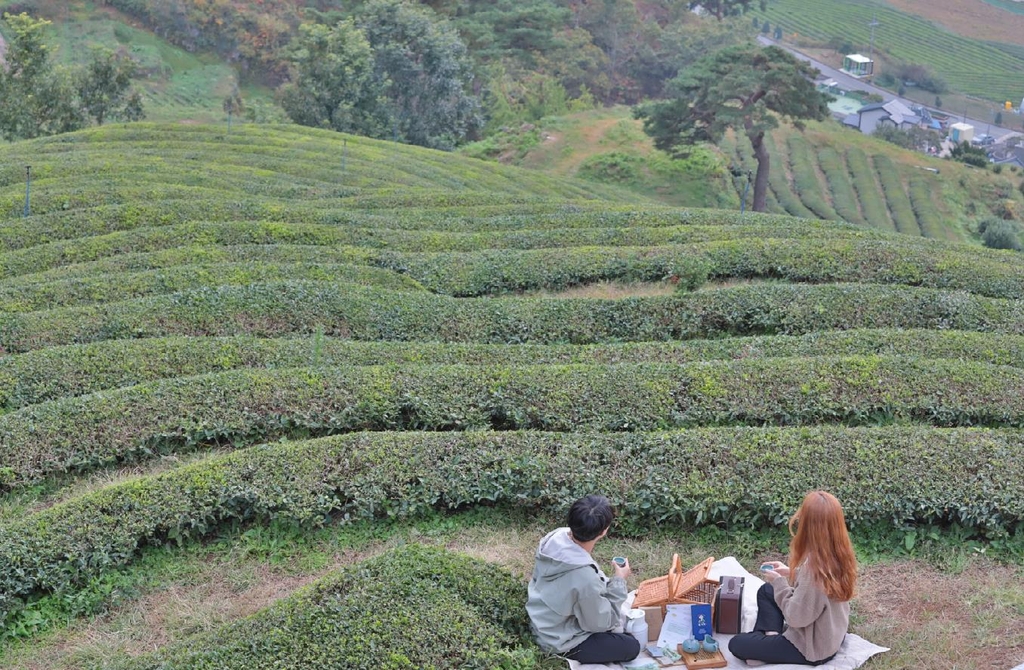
(609, 147)
(177, 85)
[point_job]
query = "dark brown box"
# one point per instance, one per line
(728, 606)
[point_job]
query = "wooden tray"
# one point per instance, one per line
(702, 659)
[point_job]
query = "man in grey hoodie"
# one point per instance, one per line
(573, 606)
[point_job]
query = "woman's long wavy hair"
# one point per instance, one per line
(821, 545)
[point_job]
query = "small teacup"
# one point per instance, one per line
(691, 645)
(710, 644)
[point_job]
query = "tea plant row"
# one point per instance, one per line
(59, 372)
(734, 476)
(359, 313)
(240, 407)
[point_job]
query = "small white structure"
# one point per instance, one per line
(894, 113)
(858, 65)
(961, 132)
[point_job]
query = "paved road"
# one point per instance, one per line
(849, 83)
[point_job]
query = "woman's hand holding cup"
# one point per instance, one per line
(771, 570)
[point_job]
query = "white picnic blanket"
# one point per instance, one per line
(854, 652)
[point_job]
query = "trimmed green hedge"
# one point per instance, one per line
(490, 271)
(735, 476)
(843, 196)
(631, 227)
(922, 193)
(899, 203)
(410, 230)
(359, 313)
(871, 198)
(412, 608)
(808, 186)
(245, 406)
(805, 260)
(25, 297)
(58, 372)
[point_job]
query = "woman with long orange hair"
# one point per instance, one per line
(803, 612)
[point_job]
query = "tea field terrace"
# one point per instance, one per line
(294, 325)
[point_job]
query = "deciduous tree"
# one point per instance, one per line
(36, 98)
(334, 84)
(425, 72)
(746, 88)
(105, 88)
(722, 8)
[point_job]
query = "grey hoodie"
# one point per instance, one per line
(569, 596)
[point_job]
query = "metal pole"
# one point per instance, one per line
(871, 49)
(28, 190)
(344, 156)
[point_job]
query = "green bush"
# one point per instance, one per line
(780, 187)
(24, 296)
(507, 233)
(808, 187)
(240, 407)
(843, 196)
(732, 476)
(872, 200)
(929, 219)
(999, 234)
(49, 374)
(413, 607)
(755, 253)
(360, 313)
(895, 195)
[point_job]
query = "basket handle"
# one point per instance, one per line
(675, 573)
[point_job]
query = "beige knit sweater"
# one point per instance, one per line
(816, 623)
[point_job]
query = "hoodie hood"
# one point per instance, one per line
(557, 554)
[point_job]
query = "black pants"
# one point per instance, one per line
(759, 646)
(605, 648)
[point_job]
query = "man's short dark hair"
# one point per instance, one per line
(589, 517)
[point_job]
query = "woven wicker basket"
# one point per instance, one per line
(678, 587)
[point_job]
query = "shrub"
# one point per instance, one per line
(413, 607)
(929, 220)
(808, 187)
(737, 477)
(899, 204)
(242, 407)
(1000, 234)
(872, 201)
(832, 164)
(58, 372)
(352, 312)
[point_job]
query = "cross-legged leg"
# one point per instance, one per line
(769, 616)
(605, 648)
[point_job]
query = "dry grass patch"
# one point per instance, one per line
(610, 291)
(933, 619)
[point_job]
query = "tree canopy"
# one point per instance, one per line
(745, 88)
(723, 8)
(40, 98)
(396, 71)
